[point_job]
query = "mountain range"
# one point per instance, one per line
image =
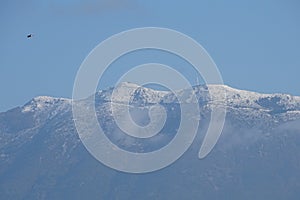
(256, 157)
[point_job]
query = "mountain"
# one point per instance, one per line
(256, 157)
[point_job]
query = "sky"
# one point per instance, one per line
(255, 44)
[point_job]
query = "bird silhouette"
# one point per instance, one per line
(29, 35)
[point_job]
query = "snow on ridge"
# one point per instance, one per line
(210, 95)
(127, 92)
(248, 98)
(43, 102)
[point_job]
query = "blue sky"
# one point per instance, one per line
(255, 44)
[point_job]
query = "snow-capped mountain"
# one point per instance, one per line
(256, 157)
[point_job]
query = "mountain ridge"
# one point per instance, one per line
(237, 96)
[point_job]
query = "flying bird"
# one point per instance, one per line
(29, 35)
